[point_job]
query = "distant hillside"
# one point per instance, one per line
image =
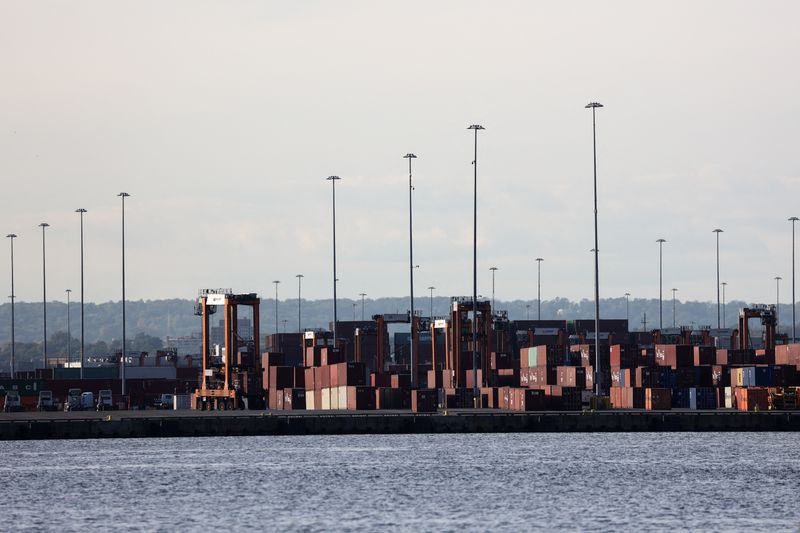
(175, 317)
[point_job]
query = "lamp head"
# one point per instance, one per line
(44, 225)
(123, 194)
(793, 219)
(333, 178)
(593, 104)
(476, 127)
(81, 210)
(12, 235)
(661, 240)
(717, 231)
(409, 156)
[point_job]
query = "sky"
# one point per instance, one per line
(223, 119)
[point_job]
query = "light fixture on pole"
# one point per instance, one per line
(412, 355)
(276, 305)
(44, 225)
(11, 237)
(476, 128)
(539, 287)
(431, 288)
(718, 231)
(794, 319)
(627, 307)
(81, 211)
(598, 386)
(777, 301)
(527, 311)
(674, 290)
(493, 269)
(660, 284)
(724, 284)
(123, 195)
(299, 317)
(362, 294)
(355, 305)
(69, 333)
(333, 180)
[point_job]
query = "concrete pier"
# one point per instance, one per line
(136, 424)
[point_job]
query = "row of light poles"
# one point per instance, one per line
(44, 225)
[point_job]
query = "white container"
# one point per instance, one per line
(310, 397)
(334, 392)
(728, 398)
(342, 391)
(326, 399)
(182, 401)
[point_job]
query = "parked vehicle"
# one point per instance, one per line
(73, 400)
(13, 403)
(165, 401)
(87, 401)
(105, 400)
(45, 401)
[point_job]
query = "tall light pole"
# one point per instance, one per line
(527, 311)
(11, 237)
(717, 231)
(674, 290)
(333, 180)
(777, 301)
(493, 269)
(69, 332)
(355, 305)
(123, 195)
(476, 128)
(539, 287)
(362, 294)
(81, 211)
(411, 156)
(44, 225)
(627, 307)
(299, 317)
(660, 283)
(794, 320)
(284, 324)
(276, 282)
(724, 322)
(431, 288)
(597, 384)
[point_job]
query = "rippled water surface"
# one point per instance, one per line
(731, 481)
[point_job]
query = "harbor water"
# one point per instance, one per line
(473, 482)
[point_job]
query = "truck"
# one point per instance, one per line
(105, 400)
(73, 400)
(164, 401)
(13, 403)
(87, 401)
(45, 401)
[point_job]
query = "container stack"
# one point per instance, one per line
(675, 376)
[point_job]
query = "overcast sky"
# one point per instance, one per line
(222, 120)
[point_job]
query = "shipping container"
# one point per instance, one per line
(657, 399)
(423, 400)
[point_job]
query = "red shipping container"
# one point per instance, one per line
(269, 359)
(348, 374)
(361, 398)
(752, 398)
(787, 354)
(589, 378)
(401, 381)
(489, 397)
(469, 379)
(294, 399)
(279, 399)
(308, 379)
(281, 377)
(571, 376)
(323, 376)
(705, 355)
(331, 356)
(674, 355)
(623, 356)
(423, 400)
(503, 398)
(658, 399)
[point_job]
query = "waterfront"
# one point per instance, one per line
(708, 481)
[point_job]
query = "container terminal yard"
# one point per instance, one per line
(531, 375)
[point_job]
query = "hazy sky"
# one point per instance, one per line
(222, 120)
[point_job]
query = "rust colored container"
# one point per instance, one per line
(658, 399)
(623, 356)
(269, 359)
(401, 381)
(331, 356)
(279, 399)
(423, 401)
(272, 398)
(674, 355)
(294, 399)
(541, 376)
(308, 379)
(705, 355)
(571, 376)
(589, 378)
(281, 377)
(469, 379)
(501, 360)
(752, 398)
(361, 398)
(323, 377)
(787, 354)
(348, 374)
(504, 398)
(489, 397)
(380, 380)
